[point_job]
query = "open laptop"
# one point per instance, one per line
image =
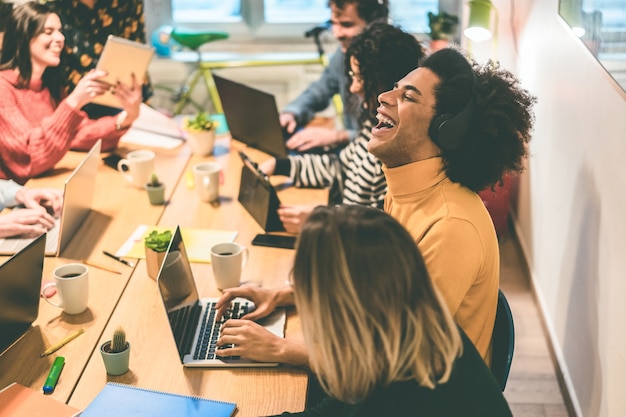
(77, 201)
(252, 117)
(192, 319)
(20, 283)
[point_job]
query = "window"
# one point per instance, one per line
(288, 18)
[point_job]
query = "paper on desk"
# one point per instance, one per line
(154, 129)
(198, 242)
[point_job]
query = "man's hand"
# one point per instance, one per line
(41, 199)
(254, 342)
(293, 217)
(288, 121)
(312, 137)
(26, 223)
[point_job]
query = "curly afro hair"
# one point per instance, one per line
(496, 139)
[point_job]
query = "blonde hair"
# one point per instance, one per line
(370, 314)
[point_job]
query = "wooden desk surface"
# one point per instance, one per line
(118, 208)
(154, 361)
(131, 298)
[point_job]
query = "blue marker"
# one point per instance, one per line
(53, 376)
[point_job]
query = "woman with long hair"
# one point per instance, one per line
(38, 124)
(380, 340)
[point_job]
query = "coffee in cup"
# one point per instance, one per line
(72, 284)
(228, 259)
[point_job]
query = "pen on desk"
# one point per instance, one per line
(53, 375)
(117, 258)
(96, 265)
(63, 342)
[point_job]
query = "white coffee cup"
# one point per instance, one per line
(137, 167)
(72, 284)
(207, 180)
(228, 259)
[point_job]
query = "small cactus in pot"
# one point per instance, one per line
(116, 353)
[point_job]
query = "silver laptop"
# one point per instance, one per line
(192, 320)
(20, 283)
(77, 201)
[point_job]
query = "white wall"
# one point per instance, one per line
(570, 213)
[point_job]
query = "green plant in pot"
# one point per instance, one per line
(155, 190)
(201, 133)
(116, 353)
(156, 244)
(443, 27)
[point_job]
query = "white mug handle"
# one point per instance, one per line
(43, 294)
(121, 164)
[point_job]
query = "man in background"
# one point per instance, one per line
(348, 19)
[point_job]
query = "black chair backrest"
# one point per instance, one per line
(503, 341)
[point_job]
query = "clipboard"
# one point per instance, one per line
(120, 58)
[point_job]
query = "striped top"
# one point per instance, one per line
(354, 173)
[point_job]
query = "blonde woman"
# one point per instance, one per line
(379, 338)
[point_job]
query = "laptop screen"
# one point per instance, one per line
(175, 279)
(20, 283)
(252, 116)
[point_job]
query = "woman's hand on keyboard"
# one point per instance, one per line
(255, 342)
(265, 300)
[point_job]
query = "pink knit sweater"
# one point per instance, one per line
(35, 133)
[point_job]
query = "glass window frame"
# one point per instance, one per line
(253, 27)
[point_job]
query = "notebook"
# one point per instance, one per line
(117, 399)
(77, 201)
(258, 196)
(20, 283)
(192, 320)
(252, 117)
(16, 400)
(120, 58)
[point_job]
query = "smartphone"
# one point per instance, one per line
(112, 160)
(275, 241)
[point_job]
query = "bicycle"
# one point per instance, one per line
(179, 100)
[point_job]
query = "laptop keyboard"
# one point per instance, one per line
(206, 345)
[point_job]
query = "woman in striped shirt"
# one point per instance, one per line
(375, 60)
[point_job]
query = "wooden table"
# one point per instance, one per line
(131, 299)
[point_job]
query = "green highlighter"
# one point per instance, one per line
(53, 376)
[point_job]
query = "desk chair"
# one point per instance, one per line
(503, 341)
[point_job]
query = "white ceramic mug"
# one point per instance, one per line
(72, 284)
(137, 167)
(228, 259)
(207, 180)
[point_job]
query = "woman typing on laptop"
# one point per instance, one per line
(379, 338)
(41, 204)
(37, 124)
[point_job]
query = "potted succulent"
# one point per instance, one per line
(201, 133)
(156, 191)
(156, 246)
(443, 27)
(116, 353)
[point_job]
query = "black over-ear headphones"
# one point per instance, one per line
(448, 130)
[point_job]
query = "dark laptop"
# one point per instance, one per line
(193, 320)
(252, 117)
(20, 283)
